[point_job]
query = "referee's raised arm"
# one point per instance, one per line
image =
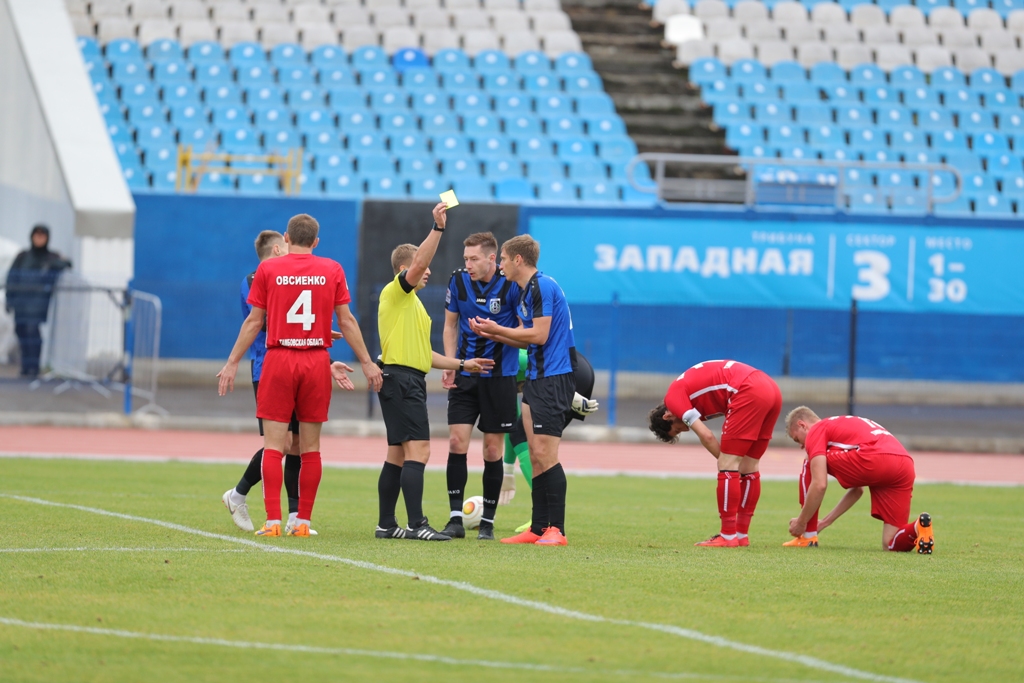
(425, 254)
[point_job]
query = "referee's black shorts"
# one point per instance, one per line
(492, 399)
(550, 401)
(403, 403)
(293, 426)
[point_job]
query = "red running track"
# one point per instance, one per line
(578, 457)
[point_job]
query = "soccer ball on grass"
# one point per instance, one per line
(473, 512)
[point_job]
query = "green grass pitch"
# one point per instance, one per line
(957, 615)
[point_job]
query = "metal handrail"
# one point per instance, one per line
(287, 167)
(660, 159)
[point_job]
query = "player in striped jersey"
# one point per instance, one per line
(751, 402)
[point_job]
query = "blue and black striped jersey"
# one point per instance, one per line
(495, 300)
(543, 298)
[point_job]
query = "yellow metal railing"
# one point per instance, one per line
(193, 165)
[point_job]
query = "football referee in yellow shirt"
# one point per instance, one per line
(406, 357)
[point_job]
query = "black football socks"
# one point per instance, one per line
(389, 485)
(412, 491)
(539, 522)
(494, 474)
(292, 464)
(253, 474)
(458, 474)
(556, 486)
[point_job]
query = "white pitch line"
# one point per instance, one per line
(384, 654)
(689, 634)
(123, 550)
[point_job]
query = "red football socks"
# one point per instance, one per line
(273, 479)
(905, 539)
(309, 481)
(750, 491)
(728, 500)
(805, 481)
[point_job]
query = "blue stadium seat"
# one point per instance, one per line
(373, 164)
(576, 148)
(719, 92)
(144, 114)
(437, 124)
(756, 150)
(907, 76)
(975, 184)
(172, 72)
(280, 140)
(797, 150)
(541, 83)
(1017, 82)
(296, 75)
(409, 58)
(948, 77)
(229, 115)
(615, 150)
(919, 156)
(964, 161)
(811, 114)
(216, 183)
(996, 99)
(545, 169)
(398, 122)
(214, 74)
(258, 184)
(909, 203)
(87, 46)
(943, 183)
(502, 169)
(531, 62)
(920, 97)
(641, 172)
(993, 205)
(450, 144)
(707, 69)
(772, 112)
(514, 190)
(800, 93)
(987, 80)
(369, 57)
(119, 132)
(357, 121)
(206, 52)
(418, 79)
(377, 79)
(976, 120)
(427, 187)
(553, 104)
(241, 139)
(471, 102)
(600, 192)
(513, 104)
(181, 93)
(389, 100)
(491, 61)
(122, 49)
(583, 83)
(959, 207)
(894, 117)
(533, 147)
(1004, 7)
(604, 126)
(867, 201)
(198, 134)
(881, 95)
(409, 143)
(581, 170)
(595, 103)
(784, 134)
(908, 139)
(827, 73)
(1001, 165)
(897, 179)
(557, 192)
(733, 112)
(989, 143)
(165, 180)
(856, 177)
(361, 143)
(759, 92)
(453, 59)
(430, 101)
(574, 62)
(493, 147)
(928, 5)
(114, 115)
(841, 93)
(127, 72)
(960, 98)
(417, 164)
(160, 156)
(866, 75)
(502, 82)
(460, 166)
(460, 81)
(564, 126)
(748, 71)
(265, 96)
(853, 116)
(135, 177)
(333, 162)
(934, 119)
(826, 135)
(247, 54)
(1013, 187)
(744, 134)
(344, 185)
(473, 189)
(788, 72)
(328, 57)
(288, 54)
(949, 139)
(139, 93)
(481, 124)
(314, 118)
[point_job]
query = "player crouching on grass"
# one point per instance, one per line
(857, 452)
(298, 295)
(751, 403)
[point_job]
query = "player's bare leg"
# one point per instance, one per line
(310, 475)
(729, 496)
(275, 439)
(389, 487)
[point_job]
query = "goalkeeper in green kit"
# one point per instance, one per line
(515, 441)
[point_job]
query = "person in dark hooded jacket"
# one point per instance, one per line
(30, 283)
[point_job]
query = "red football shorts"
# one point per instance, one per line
(751, 417)
(295, 380)
(889, 478)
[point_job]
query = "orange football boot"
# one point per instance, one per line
(552, 536)
(743, 542)
(925, 535)
(801, 542)
(272, 530)
(717, 541)
(300, 530)
(525, 537)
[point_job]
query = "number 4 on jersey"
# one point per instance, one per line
(302, 310)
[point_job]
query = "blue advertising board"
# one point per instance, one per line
(782, 264)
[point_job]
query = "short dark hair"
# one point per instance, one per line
(402, 256)
(659, 425)
(265, 242)
(484, 240)
(302, 230)
(525, 246)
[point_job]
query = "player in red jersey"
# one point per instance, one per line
(298, 294)
(751, 402)
(858, 453)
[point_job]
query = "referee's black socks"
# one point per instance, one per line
(458, 475)
(389, 485)
(494, 474)
(412, 491)
(253, 474)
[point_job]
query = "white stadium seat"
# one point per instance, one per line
(682, 28)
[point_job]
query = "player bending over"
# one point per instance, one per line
(858, 453)
(751, 403)
(516, 445)
(297, 295)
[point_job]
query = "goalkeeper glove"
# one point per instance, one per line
(584, 406)
(508, 484)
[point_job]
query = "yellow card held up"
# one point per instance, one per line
(449, 198)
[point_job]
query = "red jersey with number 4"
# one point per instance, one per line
(299, 293)
(851, 433)
(703, 391)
